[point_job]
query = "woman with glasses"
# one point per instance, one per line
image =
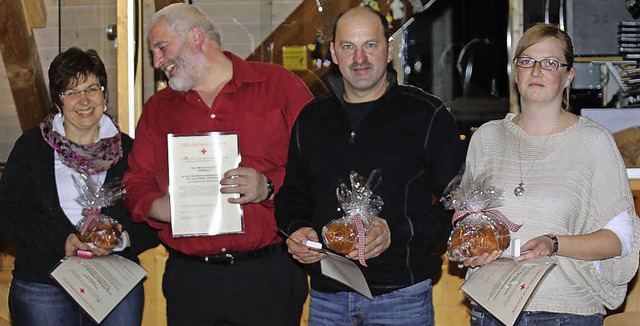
(38, 208)
(565, 182)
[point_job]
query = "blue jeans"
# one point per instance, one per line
(412, 305)
(537, 318)
(41, 304)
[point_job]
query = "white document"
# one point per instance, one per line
(98, 284)
(197, 163)
(345, 271)
(504, 286)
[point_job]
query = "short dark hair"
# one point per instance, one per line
(71, 67)
(383, 22)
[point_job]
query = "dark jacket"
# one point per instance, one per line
(30, 212)
(408, 134)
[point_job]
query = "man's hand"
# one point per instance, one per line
(377, 240)
(301, 252)
(248, 182)
(161, 209)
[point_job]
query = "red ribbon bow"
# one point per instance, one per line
(513, 227)
(90, 214)
(357, 219)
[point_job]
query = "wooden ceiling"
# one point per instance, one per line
(21, 59)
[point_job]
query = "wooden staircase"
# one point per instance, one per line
(301, 27)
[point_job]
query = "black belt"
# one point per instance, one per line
(231, 257)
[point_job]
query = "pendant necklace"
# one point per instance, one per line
(519, 190)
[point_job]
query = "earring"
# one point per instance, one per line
(59, 111)
(105, 108)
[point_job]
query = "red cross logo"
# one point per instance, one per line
(203, 151)
(522, 287)
(81, 290)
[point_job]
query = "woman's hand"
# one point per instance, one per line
(483, 259)
(539, 246)
(73, 244)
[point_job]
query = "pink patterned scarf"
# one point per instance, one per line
(89, 159)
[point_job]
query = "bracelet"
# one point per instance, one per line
(554, 239)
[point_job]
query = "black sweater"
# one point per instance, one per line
(31, 216)
(408, 134)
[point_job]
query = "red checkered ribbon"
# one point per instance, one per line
(357, 219)
(513, 227)
(90, 214)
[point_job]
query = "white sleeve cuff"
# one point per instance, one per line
(125, 242)
(622, 226)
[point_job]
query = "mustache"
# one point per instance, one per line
(365, 64)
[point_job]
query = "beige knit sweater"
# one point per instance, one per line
(576, 185)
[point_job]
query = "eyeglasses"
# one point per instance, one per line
(546, 64)
(73, 94)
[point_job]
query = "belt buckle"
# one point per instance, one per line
(230, 259)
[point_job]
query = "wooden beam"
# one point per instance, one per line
(122, 55)
(295, 30)
(516, 29)
(22, 63)
(35, 12)
(163, 3)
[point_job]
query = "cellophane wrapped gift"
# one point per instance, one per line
(478, 226)
(359, 206)
(95, 228)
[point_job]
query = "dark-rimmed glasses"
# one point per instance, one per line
(546, 64)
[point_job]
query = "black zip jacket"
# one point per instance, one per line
(413, 139)
(31, 216)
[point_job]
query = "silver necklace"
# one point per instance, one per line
(519, 190)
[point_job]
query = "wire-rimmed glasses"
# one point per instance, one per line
(546, 64)
(74, 94)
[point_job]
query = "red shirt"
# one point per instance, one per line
(260, 103)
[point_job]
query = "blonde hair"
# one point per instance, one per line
(540, 32)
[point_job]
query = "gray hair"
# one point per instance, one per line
(182, 18)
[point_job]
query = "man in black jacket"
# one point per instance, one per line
(369, 123)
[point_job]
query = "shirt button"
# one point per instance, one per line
(212, 116)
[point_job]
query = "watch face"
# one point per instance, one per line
(270, 188)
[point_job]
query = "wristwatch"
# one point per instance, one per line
(270, 189)
(554, 239)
